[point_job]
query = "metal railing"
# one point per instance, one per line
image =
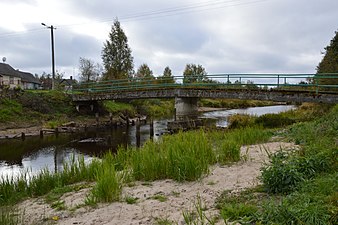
(316, 83)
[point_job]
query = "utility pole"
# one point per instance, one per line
(52, 28)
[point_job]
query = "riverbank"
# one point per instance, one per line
(159, 201)
(135, 180)
(77, 125)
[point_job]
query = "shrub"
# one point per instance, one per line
(273, 120)
(281, 176)
(240, 121)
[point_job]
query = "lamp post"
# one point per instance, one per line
(52, 28)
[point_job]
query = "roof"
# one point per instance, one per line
(28, 77)
(7, 70)
(68, 81)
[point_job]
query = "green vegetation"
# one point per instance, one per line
(305, 112)
(299, 187)
(232, 103)
(182, 157)
(329, 63)
(119, 107)
(10, 216)
(154, 107)
(35, 107)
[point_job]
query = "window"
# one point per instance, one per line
(11, 80)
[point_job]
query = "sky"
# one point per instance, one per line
(224, 36)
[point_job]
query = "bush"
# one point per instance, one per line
(281, 176)
(273, 120)
(240, 121)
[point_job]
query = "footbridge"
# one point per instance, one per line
(188, 89)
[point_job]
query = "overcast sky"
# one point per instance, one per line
(231, 36)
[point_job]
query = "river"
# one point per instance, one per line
(35, 153)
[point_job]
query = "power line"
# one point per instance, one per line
(153, 14)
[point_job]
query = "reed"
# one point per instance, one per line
(108, 185)
(182, 157)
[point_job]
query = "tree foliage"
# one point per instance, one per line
(144, 72)
(116, 55)
(167, 76)
(194, 73)
(89, 70)
(329, 63)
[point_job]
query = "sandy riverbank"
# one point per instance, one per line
(180, 197)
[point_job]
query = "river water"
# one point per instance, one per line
(35, 153)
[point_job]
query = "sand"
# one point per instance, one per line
(179, 197)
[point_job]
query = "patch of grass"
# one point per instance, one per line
(232, 103)
(197, 215)
(160, 198)
(273, 120)
(108, 184)
(238, 211)
(155, 107)
(182, 157)
(131, 199)
(240, 121)
(119, 107)
(9, 109)
(10, 216)
(58, 205)
(163, 221)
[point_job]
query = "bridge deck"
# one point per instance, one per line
(285, 88)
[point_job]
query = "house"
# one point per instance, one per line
(67, 84)
(28, 81)
(17, 79)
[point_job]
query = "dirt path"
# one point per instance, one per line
(178, 197)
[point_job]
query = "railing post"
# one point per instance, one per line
(277, 81)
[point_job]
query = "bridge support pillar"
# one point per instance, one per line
(186, 108)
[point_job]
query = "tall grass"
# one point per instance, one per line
(185, 156)
(10, 216)
(182, 157)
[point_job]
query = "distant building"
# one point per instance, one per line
(67, 84)
(17, 79)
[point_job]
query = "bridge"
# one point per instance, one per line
(187, 90)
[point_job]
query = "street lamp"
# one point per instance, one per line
(52, 28)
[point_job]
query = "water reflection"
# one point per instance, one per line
(35, 153)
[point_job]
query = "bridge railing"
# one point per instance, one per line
(316, 83)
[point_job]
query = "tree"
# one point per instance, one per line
(329, 63)
(89, 70)
(167, 76)
(116, 55)
(194, 73)
(144, 72)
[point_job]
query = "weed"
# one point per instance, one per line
(159, 197)
(163, 221)
(58, 205)
(131, 199)
(197, 215)
(211, 183)
(10, 216)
